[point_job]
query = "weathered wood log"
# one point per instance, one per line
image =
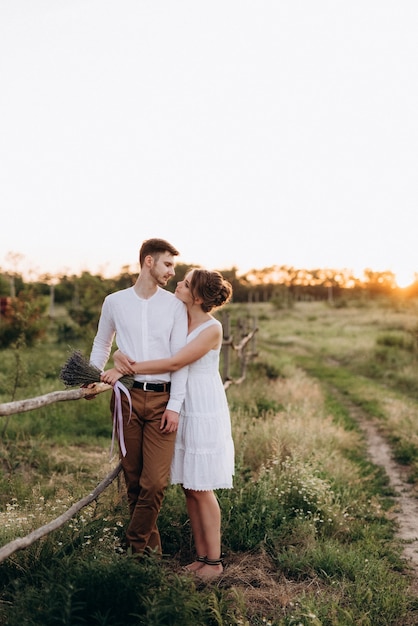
(20, 406)
(23, 542)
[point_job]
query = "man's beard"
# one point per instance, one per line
(160, 280)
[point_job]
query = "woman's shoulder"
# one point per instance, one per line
(212, 322)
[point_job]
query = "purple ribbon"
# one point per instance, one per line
(118, 387)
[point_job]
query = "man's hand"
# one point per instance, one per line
(169, 421)
(90, 386)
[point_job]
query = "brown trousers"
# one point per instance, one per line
(146, 466)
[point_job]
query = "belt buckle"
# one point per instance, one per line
(145, 386)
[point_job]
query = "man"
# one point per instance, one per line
(147, 322)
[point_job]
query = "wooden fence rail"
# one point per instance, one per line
(20, 406)
(24, 542)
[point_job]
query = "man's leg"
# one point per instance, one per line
(157, 452)
(132, 461)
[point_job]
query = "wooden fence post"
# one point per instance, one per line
(226, 345)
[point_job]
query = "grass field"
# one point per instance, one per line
(308, 530)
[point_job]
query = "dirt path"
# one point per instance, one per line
(406, 502)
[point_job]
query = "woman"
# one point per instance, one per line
(204, 452)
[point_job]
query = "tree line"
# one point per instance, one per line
(26, 306)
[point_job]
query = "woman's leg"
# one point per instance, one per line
(205, 519)
(192, 506)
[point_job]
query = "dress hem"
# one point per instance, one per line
(191, 488)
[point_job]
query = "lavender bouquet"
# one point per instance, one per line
(78, 371)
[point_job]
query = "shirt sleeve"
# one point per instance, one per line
(102, 344)
(179, 378)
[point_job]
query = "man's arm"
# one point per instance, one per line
(178, 339)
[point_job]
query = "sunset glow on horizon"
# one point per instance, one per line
(405, 278)
(19, 264)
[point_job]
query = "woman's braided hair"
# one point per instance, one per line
(211, 287)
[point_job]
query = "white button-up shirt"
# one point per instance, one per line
(144, 329)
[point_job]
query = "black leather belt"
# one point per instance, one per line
(152, 386)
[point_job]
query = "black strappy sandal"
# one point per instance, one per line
(213, 561)
(201, 559)
(209, 578)
(198, 559)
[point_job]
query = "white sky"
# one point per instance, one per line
(248, 133)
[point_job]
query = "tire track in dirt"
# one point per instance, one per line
(405, 510)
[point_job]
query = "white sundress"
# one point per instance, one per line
(204, 450)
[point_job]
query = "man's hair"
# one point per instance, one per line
(155, 247)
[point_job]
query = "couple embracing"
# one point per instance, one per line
(176, 421)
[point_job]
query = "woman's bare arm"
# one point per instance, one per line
(207, 340)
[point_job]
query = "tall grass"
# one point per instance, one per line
(305, 532)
